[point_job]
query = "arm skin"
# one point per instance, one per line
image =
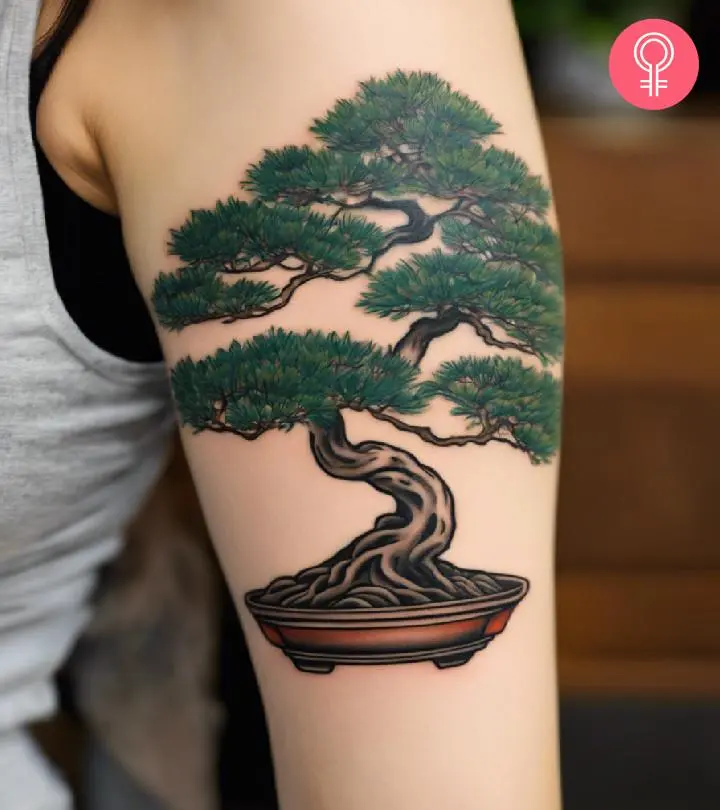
(205, 89)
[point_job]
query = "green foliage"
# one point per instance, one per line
(196, 294)
(430, 282)
(429, 136)
(279, 379)
(237, 236)
(401, 139)
(500, 392)
(508, 181)
(297, 175)
(401, 115)
(444, 283)
(406, 133)
(496, 180)
(510, 243)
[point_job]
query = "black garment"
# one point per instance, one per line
(90, 266)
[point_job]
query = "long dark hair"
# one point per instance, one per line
(48, 48)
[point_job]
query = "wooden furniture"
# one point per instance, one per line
(639, 513)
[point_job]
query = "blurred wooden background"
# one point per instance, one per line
(639, 514)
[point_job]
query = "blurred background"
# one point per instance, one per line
(639, 513)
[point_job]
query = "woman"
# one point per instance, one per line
(392, 187)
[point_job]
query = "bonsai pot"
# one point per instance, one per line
(446, 633)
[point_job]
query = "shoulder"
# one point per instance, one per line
(113, 74)
(175, 99)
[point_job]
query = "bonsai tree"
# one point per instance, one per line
(485, 258)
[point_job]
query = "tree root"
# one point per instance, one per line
(368, 581)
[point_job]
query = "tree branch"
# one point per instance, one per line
(258, 266)
(284, 297)
(413, 345)
(427, 435)
(466, 214)
(221, 427)
(289, 290)
(420, 225)
(286, 294)
(483, 331)
(418, 228)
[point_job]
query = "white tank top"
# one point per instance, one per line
(83, 435)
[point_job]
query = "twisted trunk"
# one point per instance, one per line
(397, 561)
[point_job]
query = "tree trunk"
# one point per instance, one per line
(414, 344)
(396, 562)
(418, 228)
(416, 341)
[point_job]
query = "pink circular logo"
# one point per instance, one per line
(654, 64)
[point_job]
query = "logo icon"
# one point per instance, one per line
(654, 64)
(667, 56)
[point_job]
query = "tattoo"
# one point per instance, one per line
(388, 596)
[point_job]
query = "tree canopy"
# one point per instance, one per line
(409, 132)
(403, 113)
(280, 379)
(241, 238)
(501, 394)
(508, 299)
(492, 263)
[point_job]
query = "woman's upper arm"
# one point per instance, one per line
(340, 216)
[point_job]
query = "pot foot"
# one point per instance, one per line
(455, 660)
(311, 665)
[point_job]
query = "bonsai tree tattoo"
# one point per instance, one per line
(406, 143)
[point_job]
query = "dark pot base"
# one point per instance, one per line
(323, 664)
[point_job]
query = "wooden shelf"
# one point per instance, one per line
(643, 334)
(637, 200)
(639, 615)
(639, 513)
(663, 678)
